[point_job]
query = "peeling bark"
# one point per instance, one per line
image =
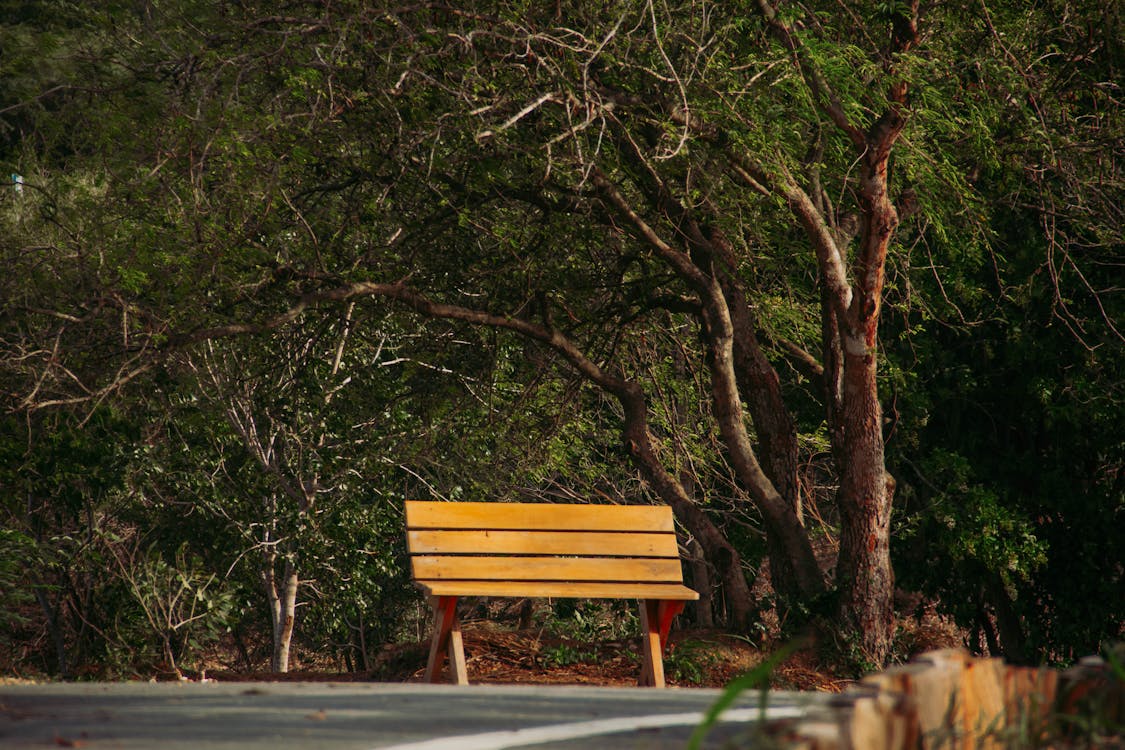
(282, 598)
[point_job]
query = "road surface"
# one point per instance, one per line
(367, 716)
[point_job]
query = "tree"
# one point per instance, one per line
(630, 174)
(1013, 478)
(743, 180)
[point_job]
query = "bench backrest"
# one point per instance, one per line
(536, 542)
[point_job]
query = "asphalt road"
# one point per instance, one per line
(368, 716)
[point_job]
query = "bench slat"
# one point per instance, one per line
(628, 569)
(560, 590)
(483, 542)
(513, 516)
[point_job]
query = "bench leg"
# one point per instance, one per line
(656, 621)
(447, 636)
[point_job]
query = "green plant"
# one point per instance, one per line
(593, 620)
(16, 551)
(564, 655)
(690, 661)
(844, 653)
(184, 605)
(757, 678)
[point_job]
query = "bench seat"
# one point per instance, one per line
(532, 550)
(560, 590)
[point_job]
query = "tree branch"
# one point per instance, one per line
(804, 362)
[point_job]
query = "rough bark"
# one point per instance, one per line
(864, 574)
(851, 302)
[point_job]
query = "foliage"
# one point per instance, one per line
(689, 661)
(563, 655)
(206, 336)
(184, 606)
(593, 620)
(17, 553)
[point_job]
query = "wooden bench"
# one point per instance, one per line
(525, 550)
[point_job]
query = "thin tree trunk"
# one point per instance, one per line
(287, 612)
(761, 388)
(704, 607)
(793, 565)
(51, 615)
(169, 654)
(282, 597)
(269, 585)
(718, 550)
(364, 660)
(1012, 640)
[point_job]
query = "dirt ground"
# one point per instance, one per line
(596, 650)
(695, 658)
(495, 656)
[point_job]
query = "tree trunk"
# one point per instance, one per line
(852, 298)
(170, 654)
(704, 607)
(365, 660)
(761, 388)
(794, 572)
(718, 550)
(737, 368)
(793, 565)
(282, 598)
(1012, 641)
(51, 615)
(863, 572)
(287, 610)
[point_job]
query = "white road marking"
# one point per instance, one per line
(513, 738)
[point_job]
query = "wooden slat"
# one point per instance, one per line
(559, 590)
(614, 544)
(513, 516)
(657, 570)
